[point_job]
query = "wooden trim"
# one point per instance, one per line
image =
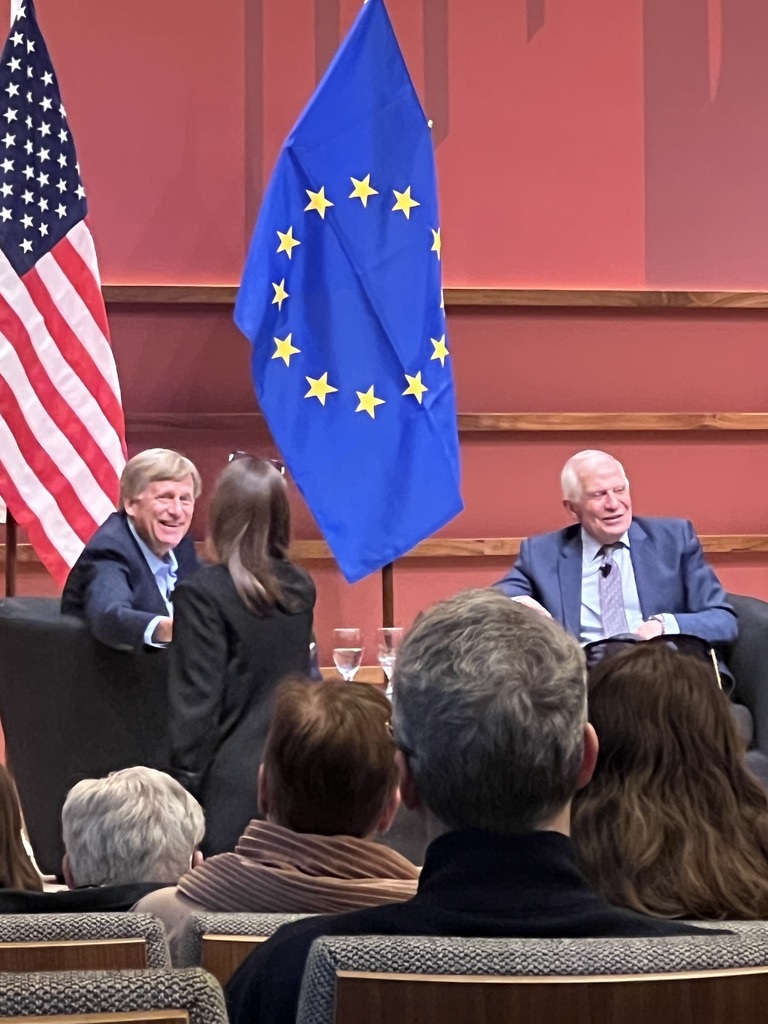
(473, 547)
(602, 298)
(493, 422)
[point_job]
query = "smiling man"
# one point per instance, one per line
(122, 583)
(612, 573)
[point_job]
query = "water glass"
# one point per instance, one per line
(347, 652)
(389, 638)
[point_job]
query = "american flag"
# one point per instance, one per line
(62, 435)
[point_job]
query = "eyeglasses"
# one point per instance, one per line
(684, 643)
(234, 456)
(400, 746)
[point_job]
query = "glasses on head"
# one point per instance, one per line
(400, 746)
(684, 643)
(234, 456)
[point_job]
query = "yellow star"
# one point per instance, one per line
(415, 387)
(317, 201)
(362, 189)
(368, 402)
(284, 349)
(280, 294)
(441, 349)
(287, 241)
(319, 388)
(404, 202)
(437, 244)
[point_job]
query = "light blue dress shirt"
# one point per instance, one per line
(591, 560)
(164, 570)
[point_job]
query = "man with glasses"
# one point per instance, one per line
(611, 573)
(122, 582)
(492, 741)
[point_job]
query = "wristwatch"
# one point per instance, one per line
(660, 619)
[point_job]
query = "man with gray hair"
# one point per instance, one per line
(611, 572)
(123, 581)
(492, 741)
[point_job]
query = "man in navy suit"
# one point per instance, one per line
(123, 581)
(667, 586)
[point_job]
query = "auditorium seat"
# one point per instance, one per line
(220, 940)
(387, 979)
(748, 661)
(72, 708)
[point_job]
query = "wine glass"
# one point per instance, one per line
(347, 652)
(389, 638)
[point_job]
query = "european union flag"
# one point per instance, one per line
(341, 299)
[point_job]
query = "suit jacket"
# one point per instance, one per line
(112, 587)
(670, 572)
(473, 883)
(226, 663)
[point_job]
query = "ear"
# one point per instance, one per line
(263, 791)
(408, 791)
(66, 870)
(568, 506)
(128, 506)
(197, 858)
(589, 759)
(388, 814)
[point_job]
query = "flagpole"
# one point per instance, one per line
(10, 556)
(388, 594)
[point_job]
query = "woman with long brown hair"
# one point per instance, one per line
(672, 823)
(240, 627)
(16, 869)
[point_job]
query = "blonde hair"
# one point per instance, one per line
(156, 464)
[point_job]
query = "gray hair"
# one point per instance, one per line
(490, 706)
(570, 478)
(135, 825)
(156, 464)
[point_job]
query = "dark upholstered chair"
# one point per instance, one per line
(748, 661)
(72, 708)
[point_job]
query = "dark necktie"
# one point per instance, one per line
(612, 610)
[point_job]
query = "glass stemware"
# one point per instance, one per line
(389, 638)
(347, 652)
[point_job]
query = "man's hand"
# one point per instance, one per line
(650, 628)
(163, 631)
(531, 602)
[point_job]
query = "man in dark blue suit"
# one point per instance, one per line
(665, 582)
(123, 581)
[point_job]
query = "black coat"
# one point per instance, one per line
(226, 662)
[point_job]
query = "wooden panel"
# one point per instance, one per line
(75, 955)
(221, 955)
(717, 997)
(372, 674)
(122, 1017)
(147, 294)
(472, 547)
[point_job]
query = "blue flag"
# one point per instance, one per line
(341, 299)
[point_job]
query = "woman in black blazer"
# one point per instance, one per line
(240, 626)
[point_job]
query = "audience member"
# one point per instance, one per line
(240, 627)
(613, 573)
(129, 833)
(490, 724)
(672, 823)
(16, 869)
(328, 781)
(123, 581)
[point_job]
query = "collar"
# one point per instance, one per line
(592, 547)
(154, 561)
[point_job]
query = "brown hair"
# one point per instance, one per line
(16, 870)
(329, 761)
(672, 823)
(250, 526)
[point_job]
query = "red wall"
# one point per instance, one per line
(594, 145)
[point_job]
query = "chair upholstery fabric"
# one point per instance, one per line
(74, 927)
(72, 708)
(748, 661)
(746, 947)
(60, 992)
(202, 923)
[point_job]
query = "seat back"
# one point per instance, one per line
(220, 940)
(339, 968)
(62, 942)
(176, 995)
(72, 708)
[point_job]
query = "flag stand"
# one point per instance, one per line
(388, 594)
(10, 555)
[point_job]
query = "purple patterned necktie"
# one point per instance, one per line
(612, 610)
